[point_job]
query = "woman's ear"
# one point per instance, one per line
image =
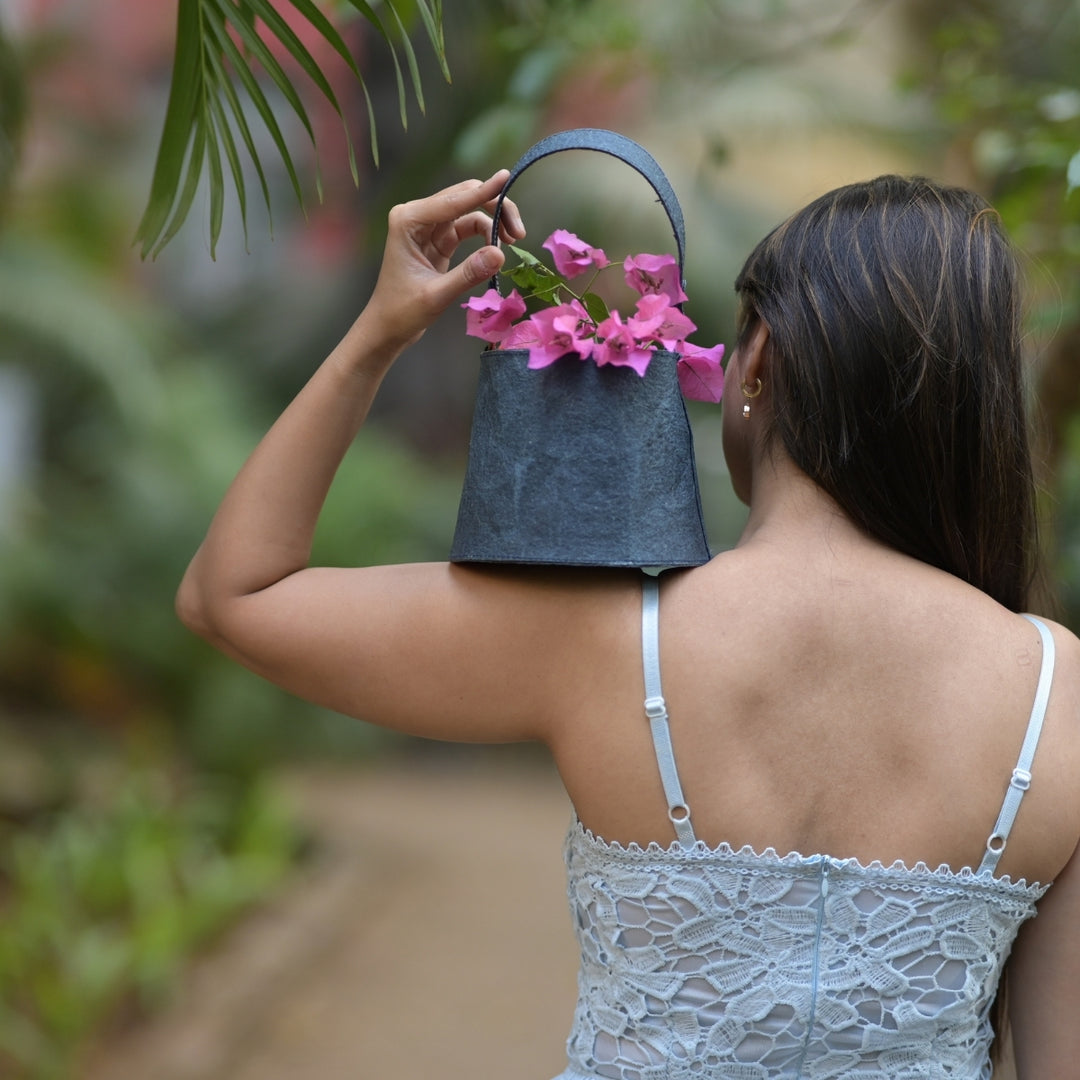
(752, 355)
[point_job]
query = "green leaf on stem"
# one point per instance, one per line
(535, 282)
(596, 307)
(527, 257)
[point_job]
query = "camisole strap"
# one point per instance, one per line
(656, 711)
(1021, 775)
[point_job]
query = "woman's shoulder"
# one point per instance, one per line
(1066, 684)
(876, 610)
(1066, 642)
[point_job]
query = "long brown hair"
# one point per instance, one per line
(893, 309)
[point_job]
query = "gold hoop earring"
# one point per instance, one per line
(749, 393)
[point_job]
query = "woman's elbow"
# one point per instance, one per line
(210, 616)
(189, 609)
(192, 609)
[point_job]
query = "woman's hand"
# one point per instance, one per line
(416, 283)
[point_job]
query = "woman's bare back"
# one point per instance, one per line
(853, 702)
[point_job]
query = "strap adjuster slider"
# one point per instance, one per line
(655, 707)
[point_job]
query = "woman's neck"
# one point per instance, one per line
(787, 508)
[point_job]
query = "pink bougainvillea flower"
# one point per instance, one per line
(700, 375)
(657, 320)
(488, 317)
(561, 330)
(654, 274)
(616, 344)
(573, 256)
(567, 329)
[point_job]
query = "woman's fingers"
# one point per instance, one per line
(452, 202)
(511, 227)
(416, 281)
(446, 239)
(462, 200)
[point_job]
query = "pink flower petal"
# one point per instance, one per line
(488, 317)
(571, 255)
(520, 336)
(654, 274)
(542, 356)
(701, 377)
(657, 320)
(560, 330)
(617, 345)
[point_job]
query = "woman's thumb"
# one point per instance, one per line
(464, 277)
(480, 265)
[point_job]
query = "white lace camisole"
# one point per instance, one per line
(709, 963)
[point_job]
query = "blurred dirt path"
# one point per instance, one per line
(431, 940)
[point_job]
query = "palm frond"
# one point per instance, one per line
(220, 47)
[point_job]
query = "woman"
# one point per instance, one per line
(851, 682)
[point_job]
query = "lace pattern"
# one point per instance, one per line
(721, 963)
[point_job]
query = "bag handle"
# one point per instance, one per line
(606, 142)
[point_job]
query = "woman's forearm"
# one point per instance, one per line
(263, 529)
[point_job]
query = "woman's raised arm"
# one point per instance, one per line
(263, 529)
(413, 647)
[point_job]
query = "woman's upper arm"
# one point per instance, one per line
(1044, 984)
(433, 649)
